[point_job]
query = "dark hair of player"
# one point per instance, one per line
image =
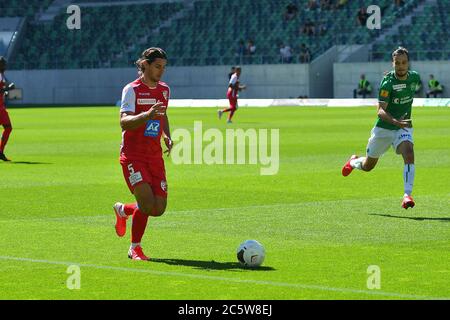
(150, 55)
(400, 51)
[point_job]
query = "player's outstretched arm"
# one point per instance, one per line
(386, 116)
(167, 139)
(130, 121)
(8, 87)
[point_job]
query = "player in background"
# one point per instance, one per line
(143, 119)
(234, 87)
(394, 126)
(4, 117)
(233, 70)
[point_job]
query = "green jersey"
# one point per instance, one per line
(399, 95)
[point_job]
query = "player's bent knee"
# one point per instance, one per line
(409, 153)
(409, 150)
(157, 212)
(146, 206)
(145, 199)
(160, 207)
(409, 158)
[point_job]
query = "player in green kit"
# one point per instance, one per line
(394, 126)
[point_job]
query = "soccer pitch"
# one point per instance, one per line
(321, 231)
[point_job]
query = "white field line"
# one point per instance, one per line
(268, 206)
(227, 279)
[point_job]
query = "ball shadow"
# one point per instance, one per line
(209, 265)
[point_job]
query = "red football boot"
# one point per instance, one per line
(347, 168)
(3, 157)
(137, 254)
(121, 219)
(408, 202)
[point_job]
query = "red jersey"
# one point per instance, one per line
(143, 143)
(2, 86)
(232, 90)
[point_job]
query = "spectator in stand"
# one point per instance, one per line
(399, 3)
(251, 48)
(362, 16)
(240, 49)
(305, 54)
(250, 51)
(291, 12)
(285, 53)
(308, 28)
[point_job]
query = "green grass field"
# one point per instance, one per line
(321, 231)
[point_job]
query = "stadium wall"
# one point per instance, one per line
(104, 86)
(347, 75)
(329, 103)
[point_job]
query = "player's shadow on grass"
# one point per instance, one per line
(412, 218)
(209, 265)
(28, 162)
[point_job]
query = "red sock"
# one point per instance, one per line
(138, 226)
(5, 137)
(231, 114)
(226, 110)
(129, 208)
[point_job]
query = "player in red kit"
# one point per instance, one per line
(232, 94)
(4, 117)
(143, 120)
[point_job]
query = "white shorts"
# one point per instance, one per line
(380, 140)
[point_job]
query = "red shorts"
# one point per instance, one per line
(151, 172)
(4, 117)
(233, 101)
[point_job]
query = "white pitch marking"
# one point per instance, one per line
(275, 205)
(203, 277)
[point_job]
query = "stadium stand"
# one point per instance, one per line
(426, 37)
(194, 39)
(208, 33)
(112, 30)
(16, 8)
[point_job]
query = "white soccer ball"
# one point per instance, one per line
(251, 253)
